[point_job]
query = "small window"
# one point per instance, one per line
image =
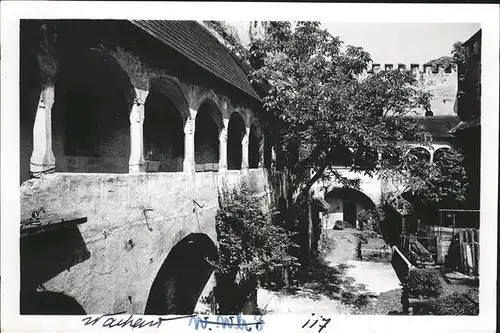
(476, 47)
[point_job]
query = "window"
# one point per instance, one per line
(476, 47)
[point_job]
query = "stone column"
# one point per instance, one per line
(223, 146)
(261, 152)
(189, 129)
(42, 159)
(244, 149)
(379, 159)
(136, 162)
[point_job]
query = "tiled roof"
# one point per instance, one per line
(321, 204)
(439, 126)
(197, 44)
(463, 125)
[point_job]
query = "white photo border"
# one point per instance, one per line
(486, 15)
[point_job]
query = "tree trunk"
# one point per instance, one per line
(226, 293)
(249, 293)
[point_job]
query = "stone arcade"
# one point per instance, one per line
(135, 127)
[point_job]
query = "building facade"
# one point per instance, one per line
(128, 128)
(468, 132)
(442, 83)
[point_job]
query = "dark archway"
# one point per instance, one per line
(49, 303)
(255, 147)
(30, 82)
(164, 112)
(182, 277)
(345, 204)
(343, 157)
(206, 137)
(421, 154)
(441, 154)
(93, 97)
(236, 131)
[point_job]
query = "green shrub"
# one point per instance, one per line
(326, 245)
(250, 246)
(456, 304)
(370, 223)
(424, 283)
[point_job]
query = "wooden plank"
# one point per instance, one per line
(466, 252)
(478, 248)
(476, 251)
(460, 246)
(28, 229)
(473, 248)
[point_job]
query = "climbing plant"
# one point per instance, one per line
(250, 246)
(46, 56)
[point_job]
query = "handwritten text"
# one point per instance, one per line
(235, 322)
(109, 321)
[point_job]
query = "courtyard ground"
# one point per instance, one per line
(342, 284)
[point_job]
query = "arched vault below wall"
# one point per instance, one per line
(182, 277)
(345, 204)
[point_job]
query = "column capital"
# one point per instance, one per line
(140, 96)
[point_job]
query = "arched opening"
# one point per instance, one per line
(345, 204)
(30, 82)
(366, 157)
(49, 303)
(440, 155)
(343, 157)
(93, 98)
(236, 131)
(268, 150)
(206, 137)
(420, 154)
(164, 110)
(255, 147)
(182, 277)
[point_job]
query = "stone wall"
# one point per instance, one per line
(108, 264)
(444, 88)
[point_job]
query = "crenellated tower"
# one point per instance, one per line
(440, 81)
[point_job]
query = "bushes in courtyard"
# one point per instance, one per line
(456, 304)
(370, 222)
(250, 246)
(424, 284)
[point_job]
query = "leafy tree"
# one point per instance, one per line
(325, 104)
(444, 61)
(442, 183)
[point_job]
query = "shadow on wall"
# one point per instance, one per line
(182, 277)
(49, 253)
(49, 303)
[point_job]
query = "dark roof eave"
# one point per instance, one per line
(252, 94)
(464, 125)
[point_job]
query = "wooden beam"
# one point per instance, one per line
(30, 227)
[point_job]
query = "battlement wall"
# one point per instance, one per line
(441, 82)
(425, 69)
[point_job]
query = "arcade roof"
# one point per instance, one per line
(439, 126)
(193, 41)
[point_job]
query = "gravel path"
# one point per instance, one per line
(323, 295)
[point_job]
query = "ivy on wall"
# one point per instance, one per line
(250, 246)
(47, 61)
